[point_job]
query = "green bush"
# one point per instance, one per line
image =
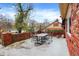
(54, 31)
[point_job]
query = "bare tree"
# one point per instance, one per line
(21, 17)
(4, 23)
(33, 25)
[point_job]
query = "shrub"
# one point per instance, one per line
(55, 31)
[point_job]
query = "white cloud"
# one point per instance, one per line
(8, 12)
(9, 15)
(39, 15)
(12, 15)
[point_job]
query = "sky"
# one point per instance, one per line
(40, 12)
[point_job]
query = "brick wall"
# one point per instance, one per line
(9, 38)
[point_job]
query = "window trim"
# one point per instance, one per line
(68, 26)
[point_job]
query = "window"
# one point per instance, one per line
(69, 25)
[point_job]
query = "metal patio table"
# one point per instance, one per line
(41, 38)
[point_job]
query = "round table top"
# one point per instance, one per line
(42, 34)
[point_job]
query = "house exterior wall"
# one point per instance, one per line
(52, 26)
(72, 29)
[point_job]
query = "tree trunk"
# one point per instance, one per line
(20, 30)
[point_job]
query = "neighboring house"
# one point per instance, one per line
(56, 25)
(70, 16)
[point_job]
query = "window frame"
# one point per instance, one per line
(69, 25)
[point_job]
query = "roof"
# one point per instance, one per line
(50, 24)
